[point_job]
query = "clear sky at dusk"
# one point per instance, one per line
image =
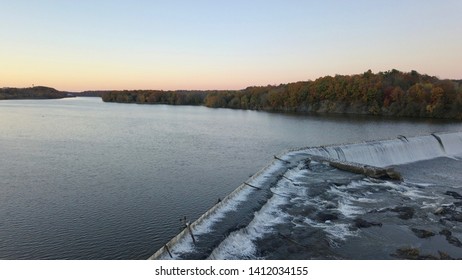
(203, 44)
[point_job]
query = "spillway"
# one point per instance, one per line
(297, 191)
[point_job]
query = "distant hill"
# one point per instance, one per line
(38, 92)
(390, 93)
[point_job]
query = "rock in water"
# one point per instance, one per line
(324, 217)
(449, 212)
(453, 194)
(413, 254)
(404, 212)
(393, 174)
(456, 216)
(444, 256)
(439, 211)
(451, 239)
(407, 253)
(360, 223)
(423, 233)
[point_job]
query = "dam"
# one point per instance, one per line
(306, 204)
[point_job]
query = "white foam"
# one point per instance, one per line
(236, 246)
(367, 200)
(180, 248)
(240, 244)
(297, 174)
(185, 245)
(415, 194)
(263, 223)
(385, 184)
(336, 231)
(419, 184)
(432, 205)
(349, 210)
(408, 191)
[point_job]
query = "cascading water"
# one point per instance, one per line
(452, 143)
(395, 151)
(297, 208)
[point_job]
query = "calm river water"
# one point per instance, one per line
(83, 179)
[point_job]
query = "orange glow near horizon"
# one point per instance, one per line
(195, 46)
(77, 81)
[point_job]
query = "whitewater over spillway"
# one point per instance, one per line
(299, 206)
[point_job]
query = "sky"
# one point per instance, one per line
(78, 45)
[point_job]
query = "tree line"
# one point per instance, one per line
(38, 92)
(390, 93)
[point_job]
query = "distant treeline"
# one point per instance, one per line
(38, 92)
(89, 93)
(390, 93)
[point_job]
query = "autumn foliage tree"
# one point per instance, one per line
(390, 93)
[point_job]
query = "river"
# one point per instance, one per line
(84, 179)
